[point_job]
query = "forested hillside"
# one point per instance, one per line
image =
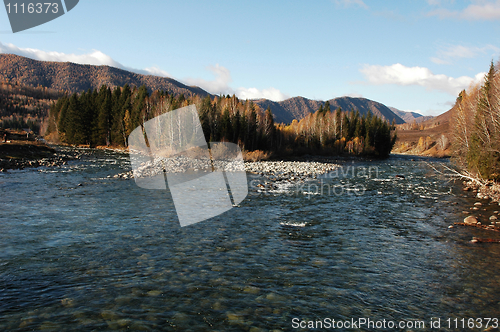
(25, 106)
(74, 77)
(108, 116)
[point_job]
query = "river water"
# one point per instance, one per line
(80, 251)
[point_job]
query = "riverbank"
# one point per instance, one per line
(488, 191)
(23, 154)
(32, 154)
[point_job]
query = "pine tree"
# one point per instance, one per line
(269, 129)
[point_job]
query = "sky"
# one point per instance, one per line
(415, 55)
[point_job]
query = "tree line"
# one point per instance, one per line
(475, 127)
(339, 132)
(107, 116)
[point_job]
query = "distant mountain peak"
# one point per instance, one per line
(298, 107)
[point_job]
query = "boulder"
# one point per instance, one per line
(470, 220)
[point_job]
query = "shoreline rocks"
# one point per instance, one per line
(489, 191)
(290, 170)
(276, 171)
(26, 155)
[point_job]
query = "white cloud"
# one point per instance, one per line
(478, 10)
(438, 2)
(446, 54)
(254, 93)
(157, 72)
(413, 111)
(402, 75)
(93, 58)
(354, 95)
(348, 3)
(219, 85)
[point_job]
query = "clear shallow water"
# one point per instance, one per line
(80, 251)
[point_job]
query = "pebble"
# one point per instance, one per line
(478, 204)
(493, 218)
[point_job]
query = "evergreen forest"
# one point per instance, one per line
(106, 117)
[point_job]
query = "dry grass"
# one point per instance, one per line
(256, 155)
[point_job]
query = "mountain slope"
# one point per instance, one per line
(364, 105)
(298, 107)
(287, 110)
(431, 137)
(409, 117)
(77, 78)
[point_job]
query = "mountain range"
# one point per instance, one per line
(298, 107)
(410, 117)
(73, 77)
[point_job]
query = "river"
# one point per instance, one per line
(81, 251)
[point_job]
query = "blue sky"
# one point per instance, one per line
(415, 55)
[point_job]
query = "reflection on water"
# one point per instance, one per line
(81, 251)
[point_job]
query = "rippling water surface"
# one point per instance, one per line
(81, 251)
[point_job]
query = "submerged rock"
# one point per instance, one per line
(154, 293)
(68, 302)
